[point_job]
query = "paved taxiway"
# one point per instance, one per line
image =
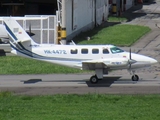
(78, 84)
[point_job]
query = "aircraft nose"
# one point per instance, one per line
(153, 61)
(144, 59)
(149, 60)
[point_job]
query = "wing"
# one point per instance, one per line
(93, 64)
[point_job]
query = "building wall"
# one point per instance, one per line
(102, 11)
(82, 15)
(129, 4)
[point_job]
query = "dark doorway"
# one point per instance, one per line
(27, 7)
(47, 9)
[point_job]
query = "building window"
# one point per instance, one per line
(74, 51)
(95, 51)
(105, 51)
(84, 51)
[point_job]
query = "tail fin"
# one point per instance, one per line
(16, 32)
(21, 43)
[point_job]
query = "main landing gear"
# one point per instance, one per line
(94, 79)
(99, 76)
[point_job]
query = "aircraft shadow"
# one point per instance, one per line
(106, 82)
(32, 81)
(64, 81)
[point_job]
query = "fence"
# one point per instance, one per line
(42, 27)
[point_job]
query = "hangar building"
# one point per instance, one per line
(80, 15)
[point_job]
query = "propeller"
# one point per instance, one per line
(131, 61)
(30, 31)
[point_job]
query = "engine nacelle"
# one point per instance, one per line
(116, 62)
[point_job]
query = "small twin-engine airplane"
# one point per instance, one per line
(100, 58)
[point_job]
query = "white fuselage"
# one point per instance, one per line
(74, 55)
(100, 58)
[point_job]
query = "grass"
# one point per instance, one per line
(120, 35)
(116, 19)
(80, 107)
(20, 65)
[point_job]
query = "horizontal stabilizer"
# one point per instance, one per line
(24, 40)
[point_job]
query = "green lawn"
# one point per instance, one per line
(80, 107)
(20, 65)
(116, 19)
(120, 35)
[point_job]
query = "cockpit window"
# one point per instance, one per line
(116, 50)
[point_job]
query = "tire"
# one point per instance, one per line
(135, 78)
(94, 79)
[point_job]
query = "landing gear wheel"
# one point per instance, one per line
(135, 78)
(94, 79)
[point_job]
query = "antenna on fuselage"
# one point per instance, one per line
(30, 31)
(73, 42)
(61, 42)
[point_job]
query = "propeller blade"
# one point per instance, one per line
(130, 56)
(130, 66)
(130, 59)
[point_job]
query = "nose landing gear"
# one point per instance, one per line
(135, 77)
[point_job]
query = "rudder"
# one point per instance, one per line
(16, 32)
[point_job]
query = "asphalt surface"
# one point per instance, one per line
(118, 82)
(78, 84)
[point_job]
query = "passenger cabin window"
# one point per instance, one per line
(74, 51)
(116, 50)
(84, 51)
(105, 51)
(95, 51)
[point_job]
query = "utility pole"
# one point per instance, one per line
(61, 28)
(63, 32)
(95, 12)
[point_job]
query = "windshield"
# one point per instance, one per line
(116, 50)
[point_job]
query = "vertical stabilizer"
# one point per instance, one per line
(16, 32)
(21, 43)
